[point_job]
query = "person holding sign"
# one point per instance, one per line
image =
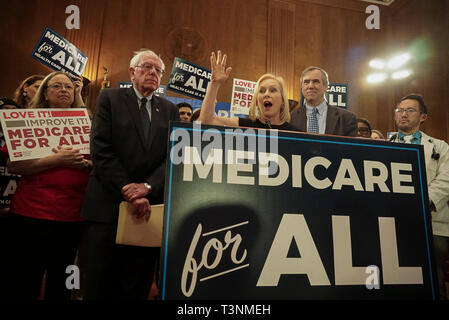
(316, 115)
(8, 181)
(129, 150)
(46, 224)
(269, 107)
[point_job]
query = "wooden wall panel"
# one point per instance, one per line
(21, 26)
(259, 36)
(89, 39)
(170, 26)
(336, 40)
(422, 27)
(281, 42)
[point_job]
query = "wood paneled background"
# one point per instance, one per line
(278, 36)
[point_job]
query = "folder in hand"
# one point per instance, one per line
(138, 231)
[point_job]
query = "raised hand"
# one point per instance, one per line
(78, 83)
(218, 66)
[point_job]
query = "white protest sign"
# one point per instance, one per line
(33, 133)
(242, 95)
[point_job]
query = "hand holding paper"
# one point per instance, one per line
(141, 208)
(140, 232)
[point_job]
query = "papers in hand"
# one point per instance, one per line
(140, 232)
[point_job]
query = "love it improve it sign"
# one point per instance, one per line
(337, 218)
(242, 95)
(33, 133)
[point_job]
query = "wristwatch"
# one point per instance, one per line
(147, 186)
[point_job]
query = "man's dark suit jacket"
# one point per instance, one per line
(339, 121)
(120, 155)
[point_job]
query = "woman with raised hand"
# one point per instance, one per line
(269, 107)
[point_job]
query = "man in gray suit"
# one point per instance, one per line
(316, 115)
(129, 150)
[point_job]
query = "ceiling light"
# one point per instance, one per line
(401, 74)
(398, 61)
(376, 77)
(377, 64)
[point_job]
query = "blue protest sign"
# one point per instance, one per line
(59, 54)
(128, 84)
(188, 79)
(222, 109)
(161, 91)
(125, 84)
(337, 95)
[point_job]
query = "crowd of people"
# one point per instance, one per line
(67, 198)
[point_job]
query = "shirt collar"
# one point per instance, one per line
(322, 107)
(140, 96)
(416, 135)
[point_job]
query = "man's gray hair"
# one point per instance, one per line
(324, 75)
(138, 56)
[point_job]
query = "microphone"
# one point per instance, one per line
(435, 154)
(393, 137)
(268, 123)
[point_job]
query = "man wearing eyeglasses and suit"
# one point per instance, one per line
(409, 114)
(316, 115)
(129, 149)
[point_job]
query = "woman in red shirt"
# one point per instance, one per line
(46, 225)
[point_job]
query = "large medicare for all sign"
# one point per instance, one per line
(267, 214)
(33, 133)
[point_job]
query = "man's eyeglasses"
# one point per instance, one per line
(59, 86)
(181, 113)
(407, 111)
(148, 67)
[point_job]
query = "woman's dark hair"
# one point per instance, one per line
(365, 121)
(19, 97)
